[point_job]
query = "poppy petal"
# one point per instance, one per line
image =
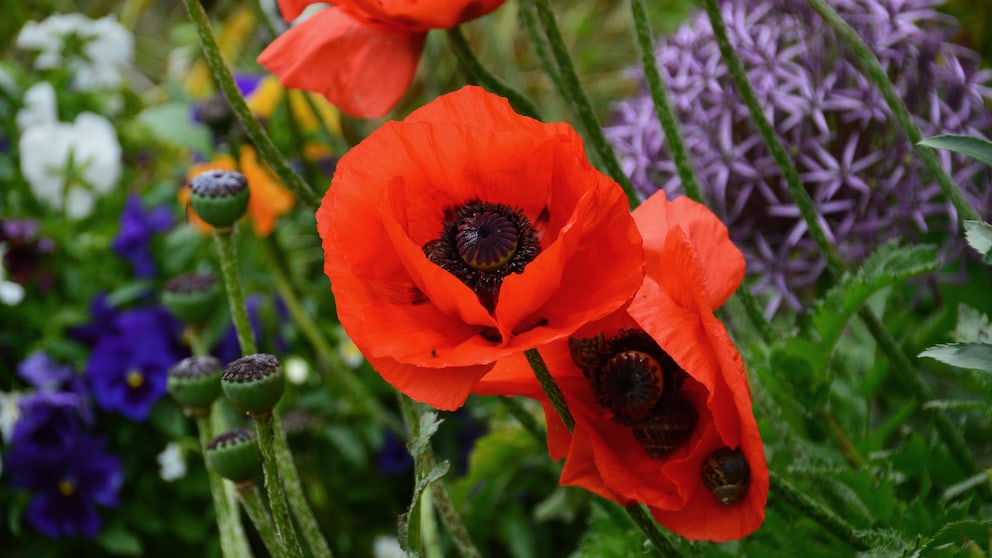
(291, 9)
(341, 58)
(422, 14)
(442, 388)
(722, 264)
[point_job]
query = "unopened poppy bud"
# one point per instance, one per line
(191, 297)
(234, 455)
(219, 197)
(194, 383)
(254, 383)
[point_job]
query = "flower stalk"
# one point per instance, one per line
(232, 284)
(222, 74)
(294, 494)
(474, 69)
(663, 104)
(571, 89)
(951, 436)
(251, 499)
(876, 74)
(274, 486)
(233, 543)
(814, 510)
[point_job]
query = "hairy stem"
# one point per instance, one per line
(233, 543)
(251, 499)
(285, 531)
(259, 138)
(473, 67)
(817, 512)
(232, 284)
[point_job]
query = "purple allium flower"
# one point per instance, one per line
(137, 228)
(128, 368)
(67, 484)
(861, 172)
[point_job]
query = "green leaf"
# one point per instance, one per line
(173, 122)
(973, 326)
(979, 236)
(957, 533)
(973, 147)
(117, 540)
(975, 356)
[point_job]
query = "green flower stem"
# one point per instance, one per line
(441, 498)
(274, 487)
(294, 494)
(232, 284)
(755, 315)
(663, 104)
(903, 366)
(233, 543)
(571, 89)
(251, 499)
(259, 138)
(557, 398)
(550, 388)
(876, 74)
(471, 66)
(526, 419)
(803, 201)
(649, 526)
(817, 512)
(528, 14)
(430, 538)
(340, 374)
(197, 340)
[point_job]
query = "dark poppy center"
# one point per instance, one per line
(481, 243)
(630, 384)
(486, 240)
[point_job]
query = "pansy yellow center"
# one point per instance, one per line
(67, 488)
(135, 379)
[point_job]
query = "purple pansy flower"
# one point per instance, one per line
(127, 369)
(67, 484)
(866, 182)
(137, 228)
(50, 422)
(43, 373)
(24, 252)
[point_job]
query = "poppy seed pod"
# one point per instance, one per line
(254, 384)
(235, 456)
(219, 197)
(191, 297)
(194, 383)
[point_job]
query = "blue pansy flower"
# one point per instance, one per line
(133, 239)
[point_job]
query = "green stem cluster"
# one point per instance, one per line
(233, 543)
(251, 499)
(571, 89)
(285, 531)
(256, 133)
(835, 266)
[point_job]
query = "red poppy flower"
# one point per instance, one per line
(467, 233)
(692, 268)
(362, 54)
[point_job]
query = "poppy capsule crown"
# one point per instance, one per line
(640, 384)
(481, 243)
(726, 474)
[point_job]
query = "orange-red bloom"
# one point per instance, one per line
(467, 233)
(362, 54)
(692, 268)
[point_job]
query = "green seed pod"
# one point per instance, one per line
(254, 383)
(219, 197)
(194, 383)
(192, 297)
(234, 455)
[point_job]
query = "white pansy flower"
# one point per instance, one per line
(39, 106)
(10, 411)
(297, 370)
(105, 48)
(11, 294)
(86, 154)
(171, 463)
(352, 357)
(385, 546)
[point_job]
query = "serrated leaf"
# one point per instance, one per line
(604, 538)
(976, 148)
(428, 426)
(979, 236)
(973, 326)
(956, 533)
(965, 486)
(404, 520)
(974, 356)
